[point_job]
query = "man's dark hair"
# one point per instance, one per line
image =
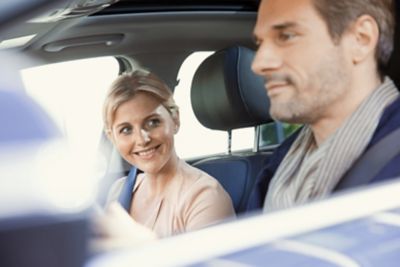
(339, 14)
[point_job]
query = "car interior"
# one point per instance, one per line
(227, 95)
(159, 35)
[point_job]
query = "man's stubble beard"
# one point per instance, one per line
(331, 80)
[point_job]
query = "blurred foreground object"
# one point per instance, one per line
(356, 228)
(43, 210)
(117, 230)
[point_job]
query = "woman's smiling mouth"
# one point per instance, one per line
(147, 153)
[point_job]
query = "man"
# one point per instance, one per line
(323, 62)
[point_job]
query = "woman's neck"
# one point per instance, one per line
(159, 181)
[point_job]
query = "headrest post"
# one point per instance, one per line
(229, 142)
(257, 134)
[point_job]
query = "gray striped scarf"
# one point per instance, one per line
(308, 173)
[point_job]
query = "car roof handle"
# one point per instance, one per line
(108, 40)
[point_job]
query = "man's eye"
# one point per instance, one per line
(153, 123)
(125, 130)
(286, 36)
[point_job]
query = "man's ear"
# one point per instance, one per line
(365, 31)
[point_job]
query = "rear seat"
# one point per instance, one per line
(227, 95)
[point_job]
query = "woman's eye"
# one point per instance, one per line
(125, 130)
(153, 123)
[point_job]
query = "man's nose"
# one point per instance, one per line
(266, 59)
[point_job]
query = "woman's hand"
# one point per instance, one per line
(114, 229)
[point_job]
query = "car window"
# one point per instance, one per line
(72, 93)
(275, 132)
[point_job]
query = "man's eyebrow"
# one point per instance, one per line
(285, 25)
(278, 27)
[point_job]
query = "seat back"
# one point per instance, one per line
(236, 173)
(227, 95)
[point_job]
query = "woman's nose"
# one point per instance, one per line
(143, 137)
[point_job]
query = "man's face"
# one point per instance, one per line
(306, 73)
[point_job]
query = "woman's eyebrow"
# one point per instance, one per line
(122, 124)
(153, 114)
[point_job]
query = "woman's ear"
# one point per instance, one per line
(177, 121)
(109, 135)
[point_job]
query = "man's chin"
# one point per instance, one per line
(281, 113)
(287, 117)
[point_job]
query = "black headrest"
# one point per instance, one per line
(226, 94)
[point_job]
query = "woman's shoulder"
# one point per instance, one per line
(205, 201)
(116, 187)
(198, 178)
(200, 184)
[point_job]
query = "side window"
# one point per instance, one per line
(275, 132)
(73, 93)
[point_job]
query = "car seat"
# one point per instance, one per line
(227, 95)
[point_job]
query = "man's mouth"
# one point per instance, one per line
(275, 87)
(275, 82)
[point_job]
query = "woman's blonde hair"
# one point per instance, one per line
(125, 87)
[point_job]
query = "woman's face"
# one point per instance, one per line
(143, 132)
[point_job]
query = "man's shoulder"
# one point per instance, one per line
(389, 121)
(272, 163)
(283, 148)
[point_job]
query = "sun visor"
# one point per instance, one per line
(74, 9)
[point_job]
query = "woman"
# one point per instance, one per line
(169, 196)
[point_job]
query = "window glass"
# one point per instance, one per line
(242, 139)
(73, 93)
(275, 132)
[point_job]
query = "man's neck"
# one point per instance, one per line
(338, 112)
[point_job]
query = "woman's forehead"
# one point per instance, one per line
(140, 107)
